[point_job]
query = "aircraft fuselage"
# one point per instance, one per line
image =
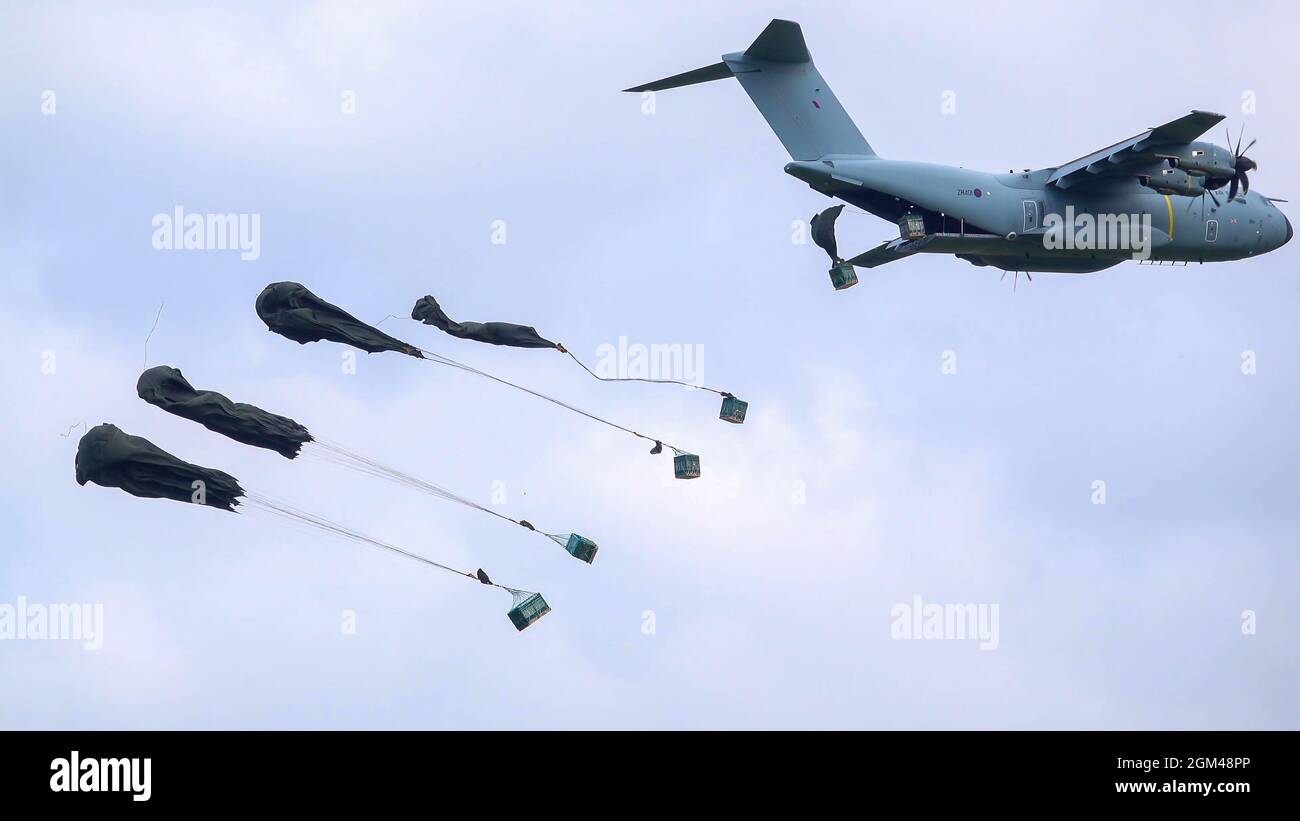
(1021, 207)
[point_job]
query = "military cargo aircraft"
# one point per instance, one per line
(1158, 196)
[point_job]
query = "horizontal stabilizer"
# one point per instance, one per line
(717, 71)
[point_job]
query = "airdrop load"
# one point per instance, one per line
(167, 388)
(109, 457)
(428, 311)
(823, 233)
(294, 312)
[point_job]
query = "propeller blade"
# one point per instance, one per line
(1252, 144)
(1237, 150)
(1232, 188)
(1216, 199)
(1245, 183)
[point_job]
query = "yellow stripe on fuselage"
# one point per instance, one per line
(1170, 206)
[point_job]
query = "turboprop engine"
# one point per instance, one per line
(1174, 181)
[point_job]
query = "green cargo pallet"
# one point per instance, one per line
(843, 276)
(580, 548)
(528, 610)
(733, 410)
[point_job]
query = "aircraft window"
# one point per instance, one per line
(1198, 153)
(1211, 230)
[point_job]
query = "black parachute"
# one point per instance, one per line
(428, 311)
(823, 232)
(168, 388)
(109, 457)
(294, 312)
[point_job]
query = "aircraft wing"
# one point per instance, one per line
(1138, 150)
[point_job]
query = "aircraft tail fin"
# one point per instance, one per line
(778, 74)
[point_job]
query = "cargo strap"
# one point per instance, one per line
(443, 360)
(283, 509)
(644, 379)
(339, 455)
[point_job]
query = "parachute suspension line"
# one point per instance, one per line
(439, 358)
(517, 596)
(561, 539)
(280, 508)
(342, 456)
(339, 455)
(642, 379)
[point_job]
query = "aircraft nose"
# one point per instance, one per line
(1290, 232)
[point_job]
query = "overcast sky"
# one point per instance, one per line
(673, 228)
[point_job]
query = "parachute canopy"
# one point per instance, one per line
(111, 458)
(823, 231)
(167, 388)
(428, 311)
(294, 312)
